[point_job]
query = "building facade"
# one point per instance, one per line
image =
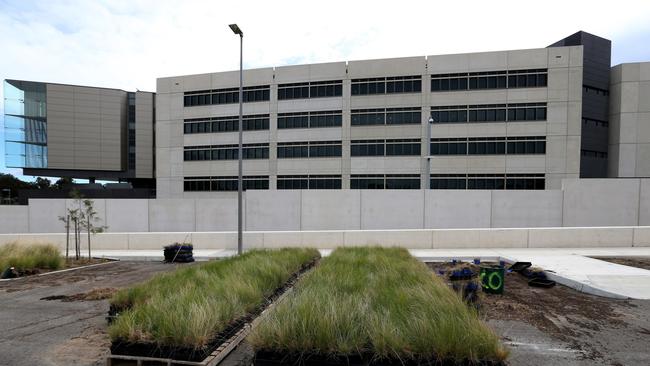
(79, 132)
(500, 120)
(505, 120)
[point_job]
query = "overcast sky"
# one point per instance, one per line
(127, 44)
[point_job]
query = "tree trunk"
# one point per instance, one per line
(76, 239)
(88, 228)
(67, 237)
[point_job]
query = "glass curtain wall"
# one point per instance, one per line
(25, 124)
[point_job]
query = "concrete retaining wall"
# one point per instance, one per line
(412, 239)
(581, 203)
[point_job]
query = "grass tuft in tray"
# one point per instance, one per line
(30, 257)
(375, 304)
(187, 308)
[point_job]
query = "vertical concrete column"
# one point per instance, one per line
(273, 137)
(346, 163)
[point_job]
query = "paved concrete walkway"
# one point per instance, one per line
(571, 267)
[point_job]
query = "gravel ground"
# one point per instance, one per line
(643, 263)
(70, 330)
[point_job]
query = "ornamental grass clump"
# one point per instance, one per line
(189, 307)
(26, 257)
(375, 303)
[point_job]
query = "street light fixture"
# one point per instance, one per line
(240, 184)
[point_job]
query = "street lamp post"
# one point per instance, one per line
(240, 184)
(428, 160)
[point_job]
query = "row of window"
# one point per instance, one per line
(207, 184)
(309, 149)
(387, 85)
(395, 147)
(312, 89)
(310, 119)
(226, 152)
(370, 181)
(490, 80)
(489, 145)
(381, 85)
(309, 182)
(257, 93)
(386, 116)
(487, 181)
(226, 124)
(489, 113)
(392, 147)
(385, 181)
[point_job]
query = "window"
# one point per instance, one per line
(489, 145)
(594, 122)
(206, 184)
(527, 145)
(595, 91)
(387, 85)
(388, 116)
(403, 147)
(487, 181)
(489, 80)
(309, 149)
(527, 78)
(367, 147)
(309, 182)
(388, 181)
(312, 89)
(367, 117)
(226, 124)
(394, 147)
(403, 116)
(258, 93)
(489, 113)
(226, 152)
(310, 119)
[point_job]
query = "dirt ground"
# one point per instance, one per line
(59, 318)
(562, 326)
(643, 263)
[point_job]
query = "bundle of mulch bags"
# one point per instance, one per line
(179, 253)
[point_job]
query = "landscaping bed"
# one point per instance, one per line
(187, 314)
(373, 306)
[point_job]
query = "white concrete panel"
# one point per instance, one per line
(217, 214)
(322, 239)
(526, 208)
(14, 219)
(416, 239)
(157, 240)
(44, 215)
(580, 237)
(600, 202)
(278, 211)
(644, 203)
(330, 210)
(390, 209)
(171, 215)
(127, 215)
(641, 237)
(457, 209)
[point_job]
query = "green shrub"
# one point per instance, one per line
(377, 302)
(30, 257)
(189, 306)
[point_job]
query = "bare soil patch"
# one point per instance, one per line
(643, 263)
(563, 313)
(92, 295)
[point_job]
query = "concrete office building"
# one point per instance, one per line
(80, 132)
(522, 119)
(629, 121)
